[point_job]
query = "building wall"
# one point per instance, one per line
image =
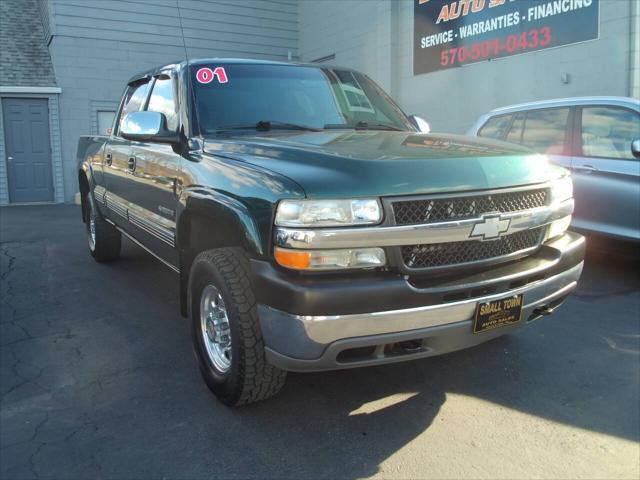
(634, 50)
(97, 46)
(451, 100)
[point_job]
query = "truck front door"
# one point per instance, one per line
(154, 173)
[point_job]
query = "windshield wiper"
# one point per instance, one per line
(362, 126)
(376, 126)
(265, 125)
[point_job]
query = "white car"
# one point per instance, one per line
(598, 138)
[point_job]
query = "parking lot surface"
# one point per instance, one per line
(98, 380)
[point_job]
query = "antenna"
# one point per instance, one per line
(186, 57)
(184, 45)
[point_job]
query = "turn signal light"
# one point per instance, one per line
(342, 259)
(293, 259)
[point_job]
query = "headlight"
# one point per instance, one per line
(562, 190)
(330, 259)
(328, 213)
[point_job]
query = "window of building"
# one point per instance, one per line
(608, 132)
(496, 127)
(545, 130)
(162, 100)
(105, 121)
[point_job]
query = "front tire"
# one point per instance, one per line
(104, 239)
(225, 330)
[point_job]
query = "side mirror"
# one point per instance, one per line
(635, 148)
(147, 127)
(420, 123)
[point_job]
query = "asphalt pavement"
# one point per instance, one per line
(98, 380)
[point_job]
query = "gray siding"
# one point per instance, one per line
(98, 45)
(4, 180)
(45, 18)
(452, 100)
(24, 58)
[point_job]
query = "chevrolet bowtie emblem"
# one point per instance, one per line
(490, 227)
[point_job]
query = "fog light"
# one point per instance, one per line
(330, 259)
(558, 227)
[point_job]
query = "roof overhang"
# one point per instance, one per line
(38, 90)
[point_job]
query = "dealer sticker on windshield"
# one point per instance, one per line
(497, 313)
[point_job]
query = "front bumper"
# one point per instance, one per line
(350, 322)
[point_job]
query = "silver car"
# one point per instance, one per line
(598, 138)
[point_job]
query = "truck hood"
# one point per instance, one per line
(383, 163)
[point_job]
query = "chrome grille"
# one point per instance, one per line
(413, 212)
(454, 253)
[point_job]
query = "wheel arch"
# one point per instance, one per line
(210, 220)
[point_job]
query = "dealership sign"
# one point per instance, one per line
(452, 33)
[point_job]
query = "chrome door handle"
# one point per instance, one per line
(132, 164)
(108, 159)
(9, 159)
(585, 168)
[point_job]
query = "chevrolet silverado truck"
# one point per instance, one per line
(315, 226)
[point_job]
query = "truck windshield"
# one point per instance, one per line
(266, 97)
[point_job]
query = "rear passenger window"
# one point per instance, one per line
(495, 127)
(545, 130)
(162, 100)
(608, 132)
(134, 99)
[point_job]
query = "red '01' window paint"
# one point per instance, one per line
(206, 75)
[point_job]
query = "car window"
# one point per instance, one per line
(162, 100)
(515, 132)
(608, 132)
(496, 127)
(545, 130)
(134, 99)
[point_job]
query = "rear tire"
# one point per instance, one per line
(225, 329)
(103, 238)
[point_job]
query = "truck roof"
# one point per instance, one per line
(200, 61)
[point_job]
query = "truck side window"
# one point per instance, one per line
(162, 100)
(608, 132)
(545, 130)
(134, 99)
(495, 127)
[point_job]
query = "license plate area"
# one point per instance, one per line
(497, 313)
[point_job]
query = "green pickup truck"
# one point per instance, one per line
(315, 226)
